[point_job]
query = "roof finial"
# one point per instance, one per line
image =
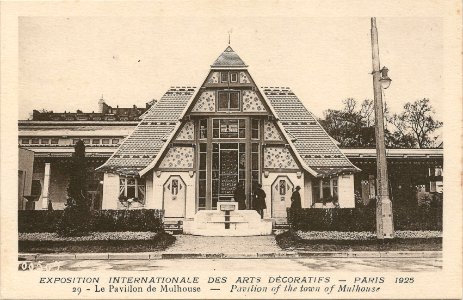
(229, 36)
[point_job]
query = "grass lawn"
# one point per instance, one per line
(157, 242)
(291, 241)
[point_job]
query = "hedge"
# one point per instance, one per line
(99, 221)
(363, 219)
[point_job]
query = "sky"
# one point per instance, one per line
(67, 64)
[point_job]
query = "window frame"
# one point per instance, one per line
(139, 188)
(228, 93)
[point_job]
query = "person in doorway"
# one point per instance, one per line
(240, 196)
(259, 200)
(296, 199)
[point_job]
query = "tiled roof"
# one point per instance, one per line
(311, 141)
(144, 143)
(229, 59)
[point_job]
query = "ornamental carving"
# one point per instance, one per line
(205, 103)
(244, 78)
(214, 78)
(178, 158)
(251, 102)
(187, 132)
(271, 132)
(278, 158)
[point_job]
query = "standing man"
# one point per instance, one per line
(296, 199)
(259, 200)
(240, 196)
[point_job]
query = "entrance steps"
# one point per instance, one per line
(227, 220)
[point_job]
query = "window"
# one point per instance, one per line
(203, 128)
(229, 128)
(86, 141)
(229, 101)
(45, 141)
(255, 163)
(105, 141)
(74, 141)
(132, 188)
(96, 141)
(282, 188)
(115, 141)
(224, 77)
(202, 176)
(35, 141)
(233, 77)
(255, 126)
(54, 141)
(325, 190)
(24, 141)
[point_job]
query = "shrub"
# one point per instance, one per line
(99, 220)
(363, 219)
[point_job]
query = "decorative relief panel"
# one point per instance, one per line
(205, 103)
(278, 157)
(187, 132)
(214, 78)
(244, 78)
(178, 158)
(251, 102)
(271, 132)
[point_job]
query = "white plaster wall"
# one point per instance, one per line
(149, 188)
(110, 191)
(158, 189)
(307, 198)
(267, 187)
(346, 191)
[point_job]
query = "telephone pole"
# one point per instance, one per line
(384, 220)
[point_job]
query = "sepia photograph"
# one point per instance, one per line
(232, 155)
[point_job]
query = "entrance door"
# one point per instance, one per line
(174, 197)
(282, 189)
(228, 168)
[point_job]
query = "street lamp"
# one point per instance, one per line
(385, 80)
(384, 221)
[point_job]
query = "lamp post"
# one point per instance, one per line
(384, 221)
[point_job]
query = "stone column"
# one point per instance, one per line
(46, 186)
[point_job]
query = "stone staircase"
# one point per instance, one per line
(227, 220)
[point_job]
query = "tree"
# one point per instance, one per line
(77, 211)
(417, 122)
(354, 126)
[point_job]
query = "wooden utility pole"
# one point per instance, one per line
(384, 220)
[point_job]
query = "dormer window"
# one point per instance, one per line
(224, 77)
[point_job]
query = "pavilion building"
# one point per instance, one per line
(197, 143)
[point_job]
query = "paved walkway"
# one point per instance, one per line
(226, 245)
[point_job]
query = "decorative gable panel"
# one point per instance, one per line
(187, 132)
(278, 158)
(205, 103)
(244, 78)
(214, 78)
(178, 158)
(271, 132)
(251, 102)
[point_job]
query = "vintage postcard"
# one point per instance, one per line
(214, 149)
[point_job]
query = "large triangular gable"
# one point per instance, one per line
(253, 101)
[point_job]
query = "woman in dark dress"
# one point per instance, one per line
(240, 196)
(259, 200)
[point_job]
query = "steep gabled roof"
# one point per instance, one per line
(142, 146)
(311, 141)
(313, 145)
(228, 58)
